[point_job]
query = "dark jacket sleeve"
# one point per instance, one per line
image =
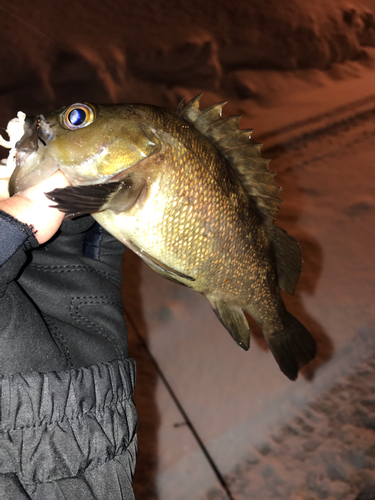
(68, 421)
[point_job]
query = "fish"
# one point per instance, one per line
(190, 193)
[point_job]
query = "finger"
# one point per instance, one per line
(36, 193)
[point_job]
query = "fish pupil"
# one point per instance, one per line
(77, 116)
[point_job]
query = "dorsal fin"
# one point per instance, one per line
(246, 160)
(234, 144)
(190, 111)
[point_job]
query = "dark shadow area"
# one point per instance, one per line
(368, 492)
(73, 77)
(29, 95)
(192, 63)
(145, 473)
(284, 165)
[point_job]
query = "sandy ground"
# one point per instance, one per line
(326, 451)
(298, 74)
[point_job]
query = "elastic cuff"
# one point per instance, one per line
(13, 234)
(57, 425)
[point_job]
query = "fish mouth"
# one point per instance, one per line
(31, 167)
(30, 139)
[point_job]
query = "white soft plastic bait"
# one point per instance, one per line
(15, 130)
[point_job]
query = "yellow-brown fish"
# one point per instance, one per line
(190, 194)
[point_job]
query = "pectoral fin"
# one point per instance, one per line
(81, 200)
(234, 321)
(158, 266)
(116, 196)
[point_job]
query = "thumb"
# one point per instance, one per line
(34, 208)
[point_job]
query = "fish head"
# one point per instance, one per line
(90, 144)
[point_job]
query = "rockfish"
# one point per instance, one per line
(190, 194)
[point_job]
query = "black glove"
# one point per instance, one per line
(65, 308)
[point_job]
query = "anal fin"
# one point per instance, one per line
(234, 321)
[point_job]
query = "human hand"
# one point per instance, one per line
(32, 207)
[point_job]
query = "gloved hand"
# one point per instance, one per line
(75, 282)
(64, 309)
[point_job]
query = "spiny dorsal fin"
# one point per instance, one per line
(181, 106)
(246, 159)
(234, 144)
(190, 111)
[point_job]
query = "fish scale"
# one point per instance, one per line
(236, 275)
(191, 195)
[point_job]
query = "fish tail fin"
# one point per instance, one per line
(292, 347)
(234, 321)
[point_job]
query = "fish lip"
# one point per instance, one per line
(45, 130)
(29, 141)
(27, 145)
(36, 134)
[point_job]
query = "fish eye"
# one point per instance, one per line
(78, 115)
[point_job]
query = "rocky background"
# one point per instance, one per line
(158, 51)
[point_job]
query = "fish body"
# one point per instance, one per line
(191, 195)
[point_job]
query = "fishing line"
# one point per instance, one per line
(176, 401)
(27, 24)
